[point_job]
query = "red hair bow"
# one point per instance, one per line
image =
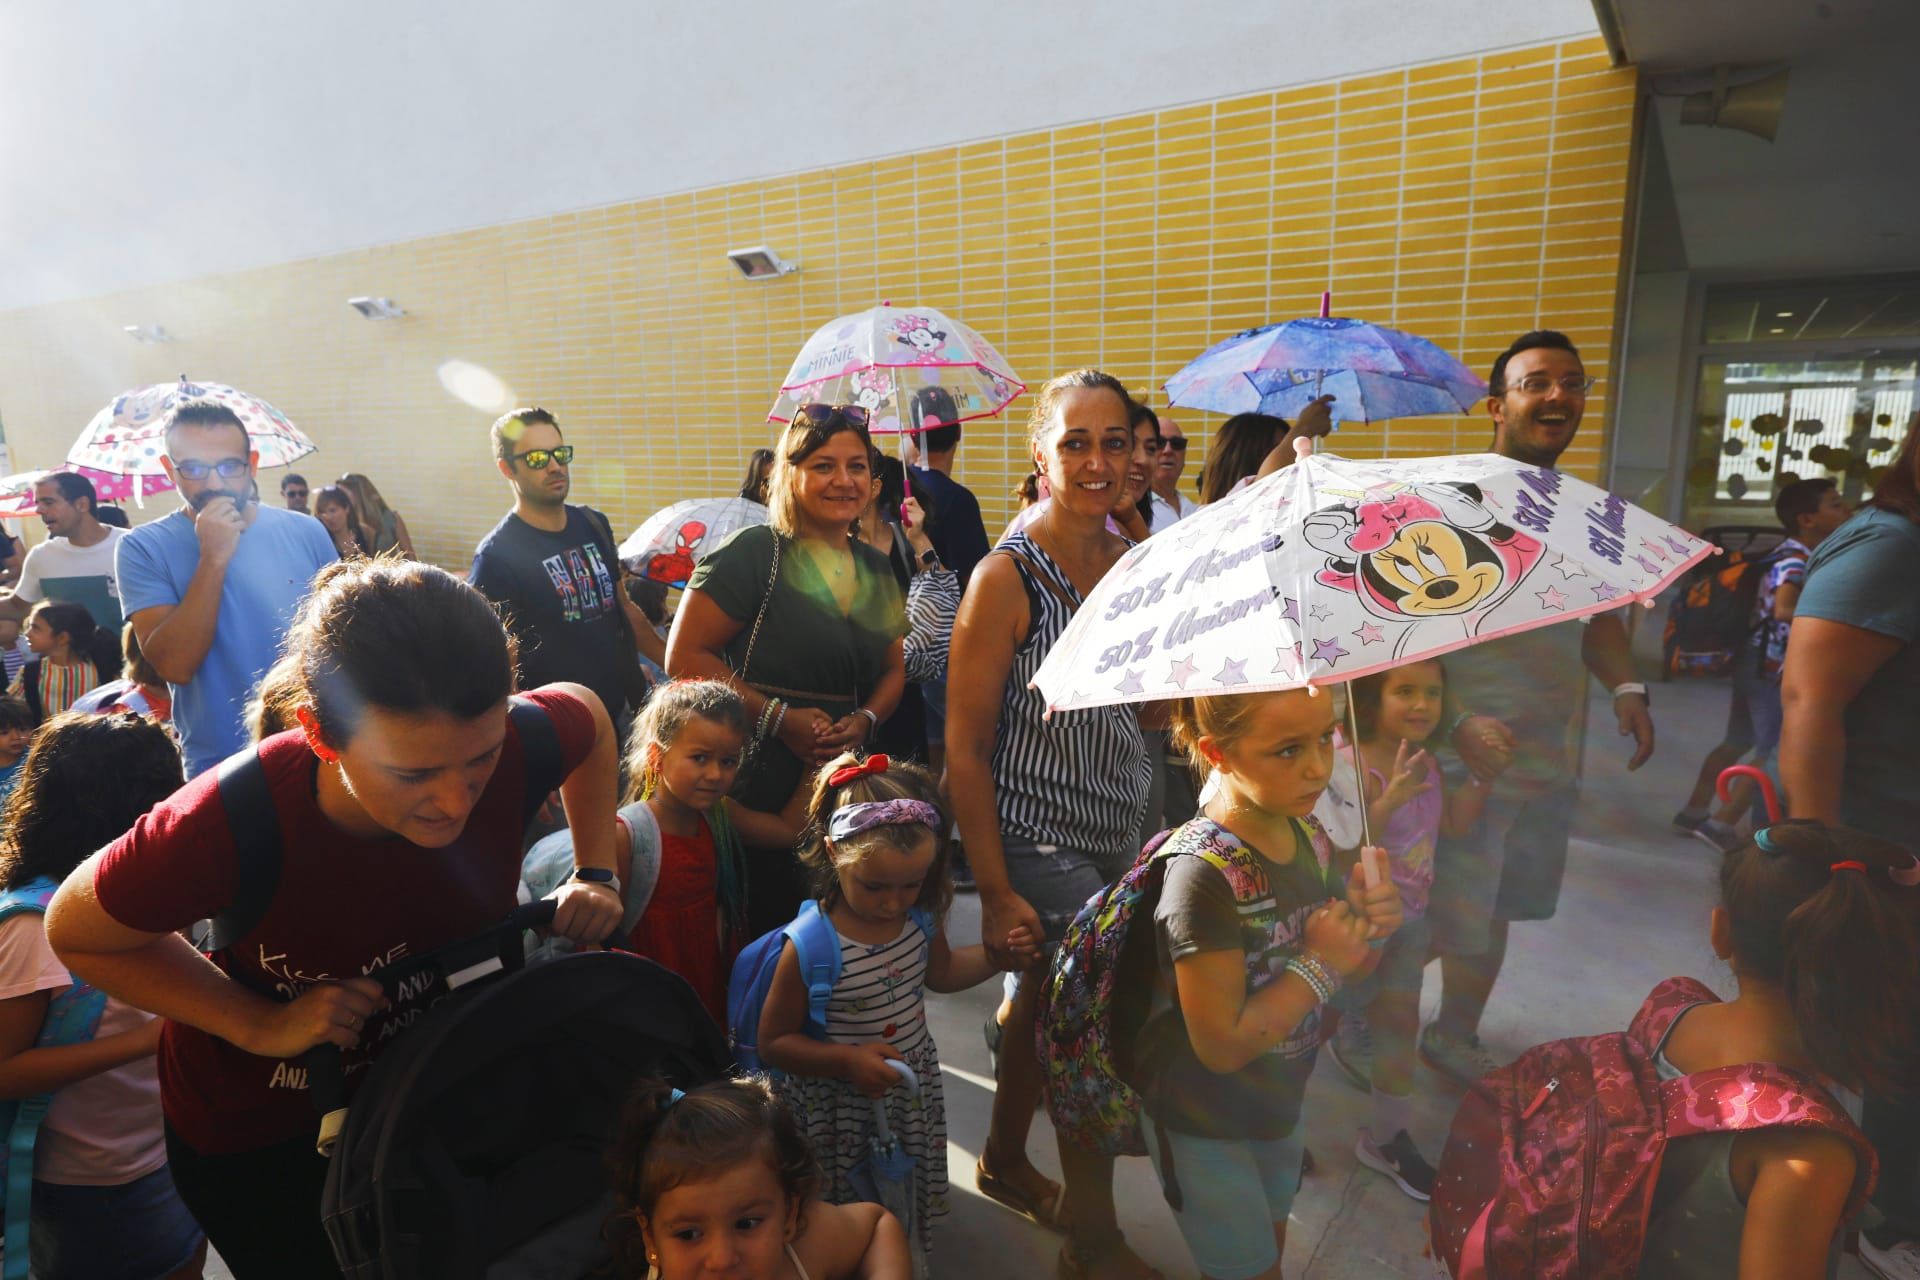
(872, 764)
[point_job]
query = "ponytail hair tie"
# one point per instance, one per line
(1849, 864)
(673, 1096)
(872, 764)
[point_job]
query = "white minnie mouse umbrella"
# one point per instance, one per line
(887, 359)
(129, 435)
(1336, 567)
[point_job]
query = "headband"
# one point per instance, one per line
(854, 818)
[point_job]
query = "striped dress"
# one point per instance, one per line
(1078, 781)
(881, 996)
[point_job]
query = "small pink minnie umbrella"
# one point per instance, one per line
(17, 498)
(910, 368)
(128, 437)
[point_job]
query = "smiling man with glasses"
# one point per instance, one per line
(553, 572)
(211, 588)
(1521, 698)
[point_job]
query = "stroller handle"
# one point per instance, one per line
(456, 964)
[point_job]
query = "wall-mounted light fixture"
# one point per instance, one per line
(761, 263)
(376, 308)
(147, 333)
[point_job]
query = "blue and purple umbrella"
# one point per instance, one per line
(1372, 372)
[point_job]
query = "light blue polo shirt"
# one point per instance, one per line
(268, 577)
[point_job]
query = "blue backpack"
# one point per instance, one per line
(817, 948)
(73, 1017)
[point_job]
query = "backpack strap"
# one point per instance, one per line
(258, 850)
(817, 949)
(1662, 1007)
(1763, 1095)
(540, 757)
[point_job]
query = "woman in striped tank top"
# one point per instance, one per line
(1051, 809)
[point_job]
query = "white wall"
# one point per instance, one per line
(142, 143)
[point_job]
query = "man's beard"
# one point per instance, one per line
(200, 500)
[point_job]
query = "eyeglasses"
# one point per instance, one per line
(1176, 443)
(1538, 384)
(537, 459)
(293, 493)
(821, 414)
(192, 469)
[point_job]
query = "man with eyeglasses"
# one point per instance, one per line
(1169, 464)
(293, 492)
(212, 587)
(1519, 701)
(553, 572)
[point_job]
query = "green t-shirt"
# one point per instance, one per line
(809, 652)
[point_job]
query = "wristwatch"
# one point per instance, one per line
(597, 875)
(929, 559)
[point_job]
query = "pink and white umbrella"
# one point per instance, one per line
(128, 436)
(17, 498)
(883, 358)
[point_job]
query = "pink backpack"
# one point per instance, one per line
(1550, 1168)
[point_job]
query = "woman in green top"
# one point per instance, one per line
(806, 622)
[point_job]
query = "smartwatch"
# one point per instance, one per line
(597, 875)
(929, 558)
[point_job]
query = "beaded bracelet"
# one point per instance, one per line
(1316, 973)
(778, 720)
(766, 717)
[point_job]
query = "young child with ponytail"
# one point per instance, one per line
(720, 1181)
(1818, 925)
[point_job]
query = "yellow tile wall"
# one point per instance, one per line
(1465, 201)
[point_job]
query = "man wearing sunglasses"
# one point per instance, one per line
(553, 572)
(1169, 464)
(212, 587)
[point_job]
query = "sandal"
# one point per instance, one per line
(1076, 1262)
(1044, 1211)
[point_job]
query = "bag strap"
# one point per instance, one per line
(254, 825)
(540, 756)
(1663, 1005)
(817, 950)
(760, 616)
(1033, 571)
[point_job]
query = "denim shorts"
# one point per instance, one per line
(1232, 1193)
(137, 1229)
(1055, 881)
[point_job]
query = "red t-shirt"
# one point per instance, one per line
(345, 907)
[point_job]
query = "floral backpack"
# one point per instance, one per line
(1550, 1168)
(1100, 988)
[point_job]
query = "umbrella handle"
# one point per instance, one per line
(1724, 783)
(906, 1074)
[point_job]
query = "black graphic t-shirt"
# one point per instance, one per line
(556, 592)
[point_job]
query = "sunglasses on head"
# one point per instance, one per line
(229, 468)
(537, 459)
(1176, 443)
(821, 414)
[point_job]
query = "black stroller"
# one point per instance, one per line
(475, 1146)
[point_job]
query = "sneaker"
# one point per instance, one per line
(1399, 1160)
(1686, 824)
(1462, 1059)
(1717, 836)
(1352, 1051)
(1898, 1261)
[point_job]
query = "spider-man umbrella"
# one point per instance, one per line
(911, 365)
(128, 436)
(666, 547)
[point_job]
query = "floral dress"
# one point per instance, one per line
(881, 995)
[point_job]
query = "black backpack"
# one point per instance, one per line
(1710, 622)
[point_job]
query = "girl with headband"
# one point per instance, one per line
(876, 847)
